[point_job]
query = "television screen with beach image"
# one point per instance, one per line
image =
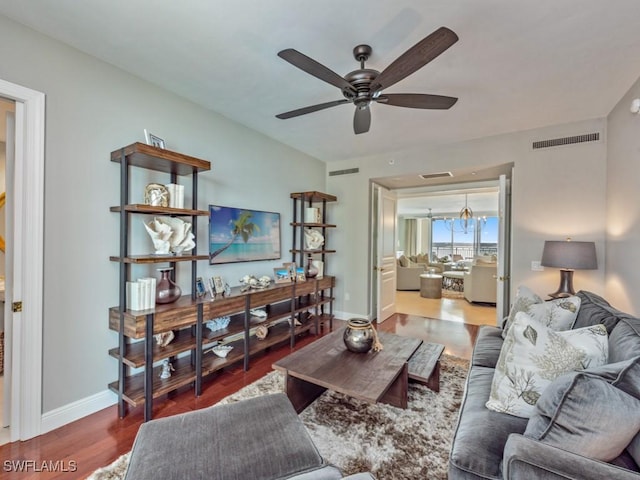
(242, 235)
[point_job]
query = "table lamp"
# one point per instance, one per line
(568, 256)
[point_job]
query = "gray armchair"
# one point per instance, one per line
(260, 438)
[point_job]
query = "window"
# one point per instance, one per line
(450, 237)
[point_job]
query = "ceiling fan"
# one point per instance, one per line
(364, 86)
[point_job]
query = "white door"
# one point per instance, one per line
(385, 262)
(26, 244)
(504, 250)
(9, 156)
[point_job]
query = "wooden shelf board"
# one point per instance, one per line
(314, 225)
(159, 159)
(158, 258)
(314, 196)
(133, 393)
(134, 357)
(153, 210)
(311, 251)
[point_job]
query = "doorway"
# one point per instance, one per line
(463, 181)
(22, 377)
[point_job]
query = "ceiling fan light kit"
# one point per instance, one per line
(362, 87)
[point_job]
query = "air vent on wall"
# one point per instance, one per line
(556, 142)
(344, 172)
(429, 176)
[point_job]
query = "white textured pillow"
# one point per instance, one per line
(558, 314)
(534, 355)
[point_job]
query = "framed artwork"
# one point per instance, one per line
(291, 267)
(282, 275)
(300, 276)
(200, 290)
(218, 285)
(153, 140)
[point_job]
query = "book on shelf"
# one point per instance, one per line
(176, 195)
(141, 294)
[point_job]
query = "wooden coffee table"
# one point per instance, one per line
(373, 377)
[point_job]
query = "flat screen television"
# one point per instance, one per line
(242, 235)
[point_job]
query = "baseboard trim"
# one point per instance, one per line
(74, 411)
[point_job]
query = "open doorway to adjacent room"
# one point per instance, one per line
(450, 224)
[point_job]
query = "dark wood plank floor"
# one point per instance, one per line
(98, 439)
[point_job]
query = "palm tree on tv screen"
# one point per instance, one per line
(242, 227)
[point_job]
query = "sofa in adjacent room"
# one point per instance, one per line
(409, 269)
(583, 425)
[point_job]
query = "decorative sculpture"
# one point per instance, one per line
(313, 239)
(170, 235)
(156, 195)
(167, 368)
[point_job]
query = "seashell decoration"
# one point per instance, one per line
(164, 339)
(250, 281)
(157, 195)
(261, 332)
(222, 350)
(170, 235)
(313, 239)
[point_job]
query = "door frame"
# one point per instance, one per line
(27, 245)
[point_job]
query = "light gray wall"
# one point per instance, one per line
(92, 109)
(623, 196)
(557, 192)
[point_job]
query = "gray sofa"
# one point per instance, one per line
(492, 445)
(257, 439)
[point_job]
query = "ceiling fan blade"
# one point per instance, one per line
(362, 120)
(417, 100)
(310, 109)
(314, 68)
(415, 58)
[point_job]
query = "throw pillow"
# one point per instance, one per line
(404, 261)
(584, 414)
(558, 314)
(533, 355)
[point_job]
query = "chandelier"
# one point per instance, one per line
(466, 214)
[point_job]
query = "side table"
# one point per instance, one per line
(430, 285)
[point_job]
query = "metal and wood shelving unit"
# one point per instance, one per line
(300, 254)
(138, 354)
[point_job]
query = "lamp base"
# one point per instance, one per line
(566, 285)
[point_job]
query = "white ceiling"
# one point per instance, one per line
(518, 64)
(415, 203)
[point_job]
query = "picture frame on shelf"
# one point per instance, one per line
(282, 275)
(153, 140)
(300, 276)
(218, 285)
(291, 267)
(211, 288)
(200, 290)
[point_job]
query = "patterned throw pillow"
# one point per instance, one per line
(534, 355)
(558, 314)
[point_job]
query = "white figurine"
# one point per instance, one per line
(167, 368)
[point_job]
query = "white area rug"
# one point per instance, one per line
(356, 436)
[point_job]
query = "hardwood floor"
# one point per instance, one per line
(100, 438)
(446, 308)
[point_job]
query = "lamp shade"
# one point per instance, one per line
(569, 255)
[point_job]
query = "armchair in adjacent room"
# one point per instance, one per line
(480, 283)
